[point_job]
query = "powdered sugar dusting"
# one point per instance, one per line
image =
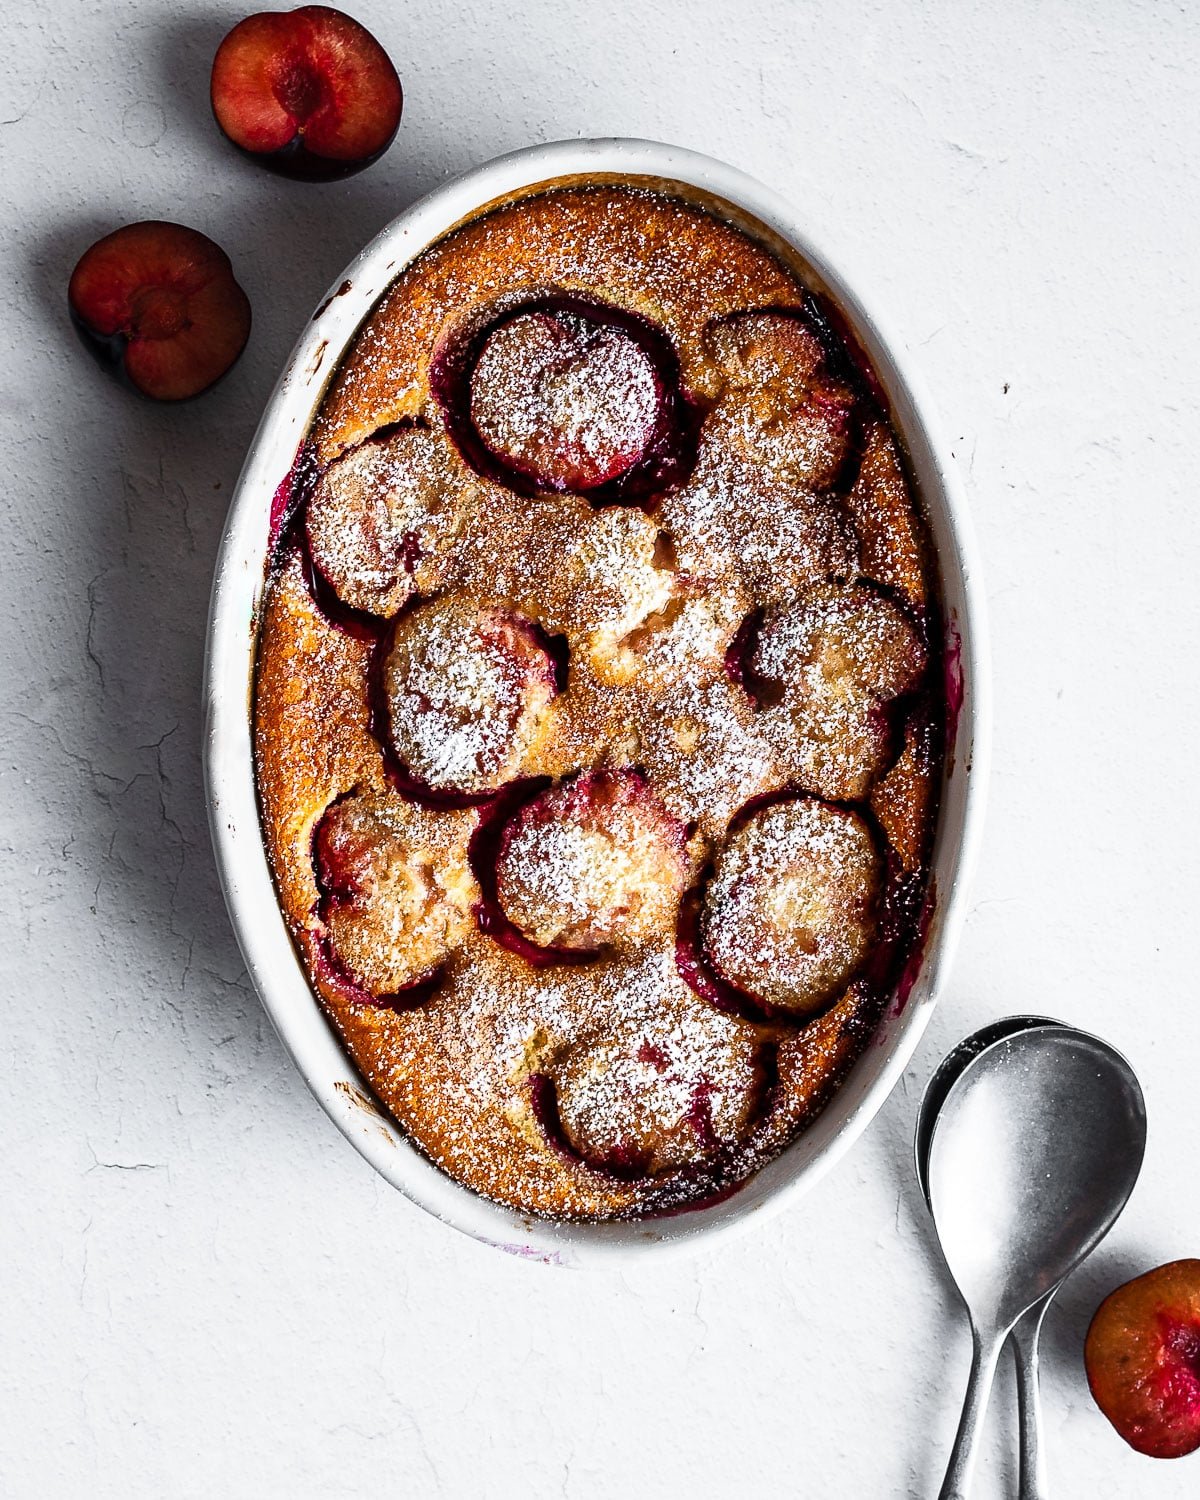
(466, 691)
(399, 894)
(790, 911)
(769, 534)
(826, 666)
(605, 1085)
(627, 1048)
(614, 577)
(591, 862)
(709, 753)
(565, 401)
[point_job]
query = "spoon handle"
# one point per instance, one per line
(984, 1353)
(1024, 1339)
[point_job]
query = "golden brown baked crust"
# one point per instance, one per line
(625, 1081)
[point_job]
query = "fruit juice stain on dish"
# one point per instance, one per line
(598, 712)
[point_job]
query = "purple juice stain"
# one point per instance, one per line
(654, 1057)
(844, 354)
(953, 686)
(290, 497)
(915, 958)
(700, 1117)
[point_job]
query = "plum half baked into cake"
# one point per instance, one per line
(598, 708)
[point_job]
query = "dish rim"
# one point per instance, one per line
(231, 648)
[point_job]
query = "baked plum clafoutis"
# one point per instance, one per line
(597, 714)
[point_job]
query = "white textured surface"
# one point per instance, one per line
(206, 1291)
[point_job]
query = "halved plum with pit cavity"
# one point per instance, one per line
(466, 689)
(382, 519)
(781, 404)
(824, 669)
(1143, 1360)
(308, 93)
(790, 911)
(158, 306)
(592, 862)
(396, 891)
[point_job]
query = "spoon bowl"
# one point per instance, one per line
(947, 1073)
(1031, 1158)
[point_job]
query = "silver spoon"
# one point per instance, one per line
(1024, 1338)
(1034, 1154)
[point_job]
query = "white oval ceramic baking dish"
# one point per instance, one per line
(237, 591)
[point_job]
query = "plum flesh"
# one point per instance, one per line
(158, 306)
(307, 93)
(1143, 1360)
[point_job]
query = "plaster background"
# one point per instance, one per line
(206, 1291)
